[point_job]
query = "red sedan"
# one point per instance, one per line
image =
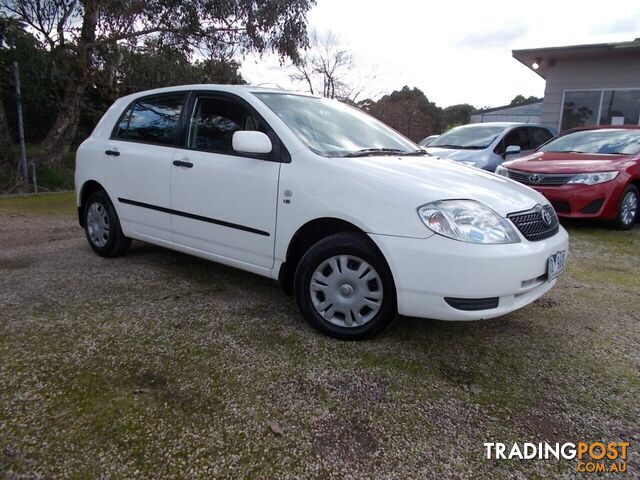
(588, 172)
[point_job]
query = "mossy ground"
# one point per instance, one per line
(160, 365)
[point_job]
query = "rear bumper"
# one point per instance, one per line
(584, 201)
(426, 271)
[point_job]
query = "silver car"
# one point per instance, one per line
(487, 145)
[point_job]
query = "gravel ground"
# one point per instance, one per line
(160, 365)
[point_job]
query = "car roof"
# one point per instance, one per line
(502, 124)
(218, 87)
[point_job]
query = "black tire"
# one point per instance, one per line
(115, 243)
(622, 223)
(352, 245)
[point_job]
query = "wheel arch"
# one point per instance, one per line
(309, 234)
(86, 190)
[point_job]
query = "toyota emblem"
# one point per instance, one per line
(546, 216)
(534, 178)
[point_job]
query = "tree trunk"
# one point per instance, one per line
(65, 125)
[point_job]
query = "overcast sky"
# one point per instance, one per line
(457, 51)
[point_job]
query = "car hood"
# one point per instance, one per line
(457, 155)
(426, 179)
(556, 162)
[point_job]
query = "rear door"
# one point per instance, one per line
(140, 152)
(224, 202)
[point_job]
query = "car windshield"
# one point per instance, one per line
(333, 129)
(472, 137)
(606, 141)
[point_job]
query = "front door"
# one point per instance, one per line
(224, 202)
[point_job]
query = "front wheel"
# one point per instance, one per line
(628, 211)
(102, 226)
(344, 287)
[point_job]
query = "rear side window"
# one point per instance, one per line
(539, 136)
(153, 120)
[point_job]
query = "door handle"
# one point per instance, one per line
(180, 163)
(113, 153)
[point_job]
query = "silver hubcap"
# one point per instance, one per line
(629, 208)
(98, 225)
(346, 291)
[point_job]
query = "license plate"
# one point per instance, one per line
(555, 264)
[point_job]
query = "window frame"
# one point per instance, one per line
(279, 152)
(601, 90)
(132, 104)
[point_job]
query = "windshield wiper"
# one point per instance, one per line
(420, 151)
(458, 147)
(566, 151)
(375, 151)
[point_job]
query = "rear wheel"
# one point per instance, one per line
(102, 226)
(344, 287)
(629, 206)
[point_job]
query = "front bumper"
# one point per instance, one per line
(584, 201)
(426, 271)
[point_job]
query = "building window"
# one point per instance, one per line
(580, 108)
(620, 107)
(600, 107)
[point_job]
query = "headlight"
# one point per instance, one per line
(593, 178)
(467, 221)
(468, 163)
(500, 170)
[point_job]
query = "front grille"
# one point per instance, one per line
(536, 224)
(529, 178)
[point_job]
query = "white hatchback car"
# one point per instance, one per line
(347, 214)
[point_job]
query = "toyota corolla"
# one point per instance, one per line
(350, 217)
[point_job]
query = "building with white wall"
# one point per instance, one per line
(526, 112)
(595, 84)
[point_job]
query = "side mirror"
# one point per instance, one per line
(251, 141)
(512, 150)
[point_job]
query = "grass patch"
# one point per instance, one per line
(47, 204)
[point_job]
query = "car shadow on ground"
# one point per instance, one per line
(206, 273)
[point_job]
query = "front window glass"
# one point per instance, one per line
(580, 108)
(214, 122)
(620, 107)
(604, 141)
(519, 137)
(333, 129)
(539, 136)
(472, 137)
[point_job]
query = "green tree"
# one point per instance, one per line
(408, 111)
(87, 30)
(519, 99)
(455, 115)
